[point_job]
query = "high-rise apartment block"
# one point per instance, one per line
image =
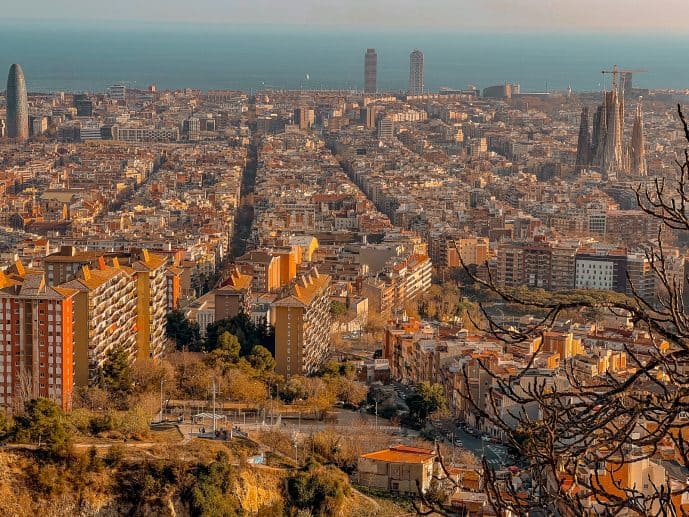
(105, 317)
(416, 85)
(36, 339)
(302, 325)
(17, 104)
(370, 71)
(151, 287)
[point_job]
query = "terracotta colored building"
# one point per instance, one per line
(302, 325)
(36, 333)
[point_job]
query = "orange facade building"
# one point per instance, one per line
(36, 334)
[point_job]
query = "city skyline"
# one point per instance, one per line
(493, 14)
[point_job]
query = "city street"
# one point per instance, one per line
(496, 454)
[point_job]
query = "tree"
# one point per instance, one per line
(589, 430)
(44, 423)
(209, 494)
(227, 351)
(424, 401)
(115, 375)
(337, 308)
(184, 333)
(247, 332)
(193, 375)
(321, 490)
(261, 359)
(294, 389)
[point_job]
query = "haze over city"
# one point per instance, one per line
(525, 15)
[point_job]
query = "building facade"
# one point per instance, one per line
(105, 311)
(36, 338)
(370, 70)
(416, 85)
(303, 322)
(17, 104)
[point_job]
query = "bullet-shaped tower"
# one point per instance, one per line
(17, 104)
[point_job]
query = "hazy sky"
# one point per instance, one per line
(576, 15)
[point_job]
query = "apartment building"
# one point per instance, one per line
(302, 325)
(601, 268)
(105, 309)
(67, 263)
(233, 297)
(36, 339)
(263, 267)
(151, 293)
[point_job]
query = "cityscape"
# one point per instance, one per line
(346, 300)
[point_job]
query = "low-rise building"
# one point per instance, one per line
(401, 469)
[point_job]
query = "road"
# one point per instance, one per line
(496, 454)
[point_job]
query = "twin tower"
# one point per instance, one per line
(17, 105)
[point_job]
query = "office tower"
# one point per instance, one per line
(626, 78)
(302, 326)
(118, 92)
(370, 70)
(371, 115)
(386, 129)
(416, 73)
(17, 104)
(584, 142)
(83, 104)
(304, 117)
(638, 153)
(37, 339)
(192, 129)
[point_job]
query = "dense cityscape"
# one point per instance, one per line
(369, 293)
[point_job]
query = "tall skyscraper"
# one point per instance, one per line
(17, 104)
(584, 143)
(638, 153)
(370, 70)
(416, 72)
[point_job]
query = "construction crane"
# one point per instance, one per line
(616, 71)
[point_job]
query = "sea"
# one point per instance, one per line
(89, 56)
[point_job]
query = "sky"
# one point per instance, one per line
(498, 15)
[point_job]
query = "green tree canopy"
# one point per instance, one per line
(247, 332)
(426, 400)
(227, 351)
(184, 333)
(261, 359)
(115, 375)
(44, 422)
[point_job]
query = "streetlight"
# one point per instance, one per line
(162, 381)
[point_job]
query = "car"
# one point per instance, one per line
(485, 438)
(459, 443)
